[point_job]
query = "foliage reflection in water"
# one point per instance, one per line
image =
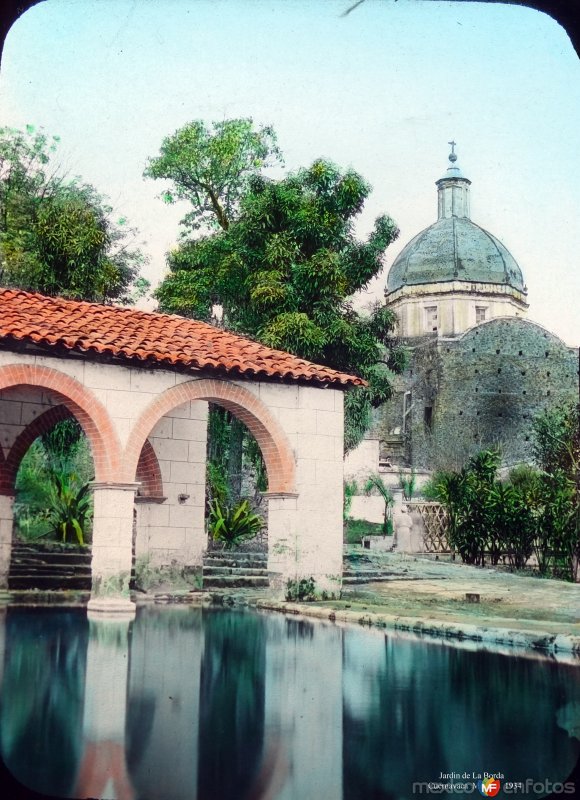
(186, 704)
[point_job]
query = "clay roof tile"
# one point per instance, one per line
(151, 337)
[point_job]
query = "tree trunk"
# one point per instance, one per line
(235, 459)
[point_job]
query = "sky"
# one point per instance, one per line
(382, 90)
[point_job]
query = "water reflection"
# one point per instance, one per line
(191, 704)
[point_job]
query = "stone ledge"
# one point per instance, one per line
(117, 608)
(542, 642)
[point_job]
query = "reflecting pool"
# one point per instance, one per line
(210, 704)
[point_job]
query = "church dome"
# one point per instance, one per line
(454, 248)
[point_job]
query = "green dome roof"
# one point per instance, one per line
(454, 249)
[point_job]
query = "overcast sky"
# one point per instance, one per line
(382, 90)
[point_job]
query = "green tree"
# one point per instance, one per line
(211, 167)
(52, 486)
(557, 453)
(376, 483)
(57, 236)
(284, 272)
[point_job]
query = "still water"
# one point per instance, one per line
(186, 704)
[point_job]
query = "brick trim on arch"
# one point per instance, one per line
(82, 404)
(271, 438)
(42, 424)
(149, 473)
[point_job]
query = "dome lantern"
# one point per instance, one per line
(453, 190)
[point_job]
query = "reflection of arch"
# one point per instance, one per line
(42, 424)
(90, 413)
(148, 473)
(243, 404)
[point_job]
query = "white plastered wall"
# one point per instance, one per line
(305, 533)
(305, 525)
(174, 529)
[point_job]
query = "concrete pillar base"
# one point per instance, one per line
(114, 608)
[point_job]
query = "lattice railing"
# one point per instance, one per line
(434, 519)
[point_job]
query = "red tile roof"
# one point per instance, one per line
(150, 338)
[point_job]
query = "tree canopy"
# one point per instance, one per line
(284, 269)
(57, 235)
(211, 167)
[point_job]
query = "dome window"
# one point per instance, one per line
(480, 312)
(431, 319)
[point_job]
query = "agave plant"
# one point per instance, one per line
(70, 506)
(231, 526)
(52, 489)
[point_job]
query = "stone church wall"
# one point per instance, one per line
(486, 387)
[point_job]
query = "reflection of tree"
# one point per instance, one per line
(521, 735)
(232, 704)
(42, 697)
(438, 709)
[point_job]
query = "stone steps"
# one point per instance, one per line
(49, 582)
(234, 582)
(253, 571)
(49, 567)
(228, 570)
(243, 559)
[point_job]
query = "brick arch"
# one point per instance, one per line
(82, 404)
(148, 473)
(42, 424)
(267, 431)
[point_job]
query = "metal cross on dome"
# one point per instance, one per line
(452, 156)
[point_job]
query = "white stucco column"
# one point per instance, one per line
(305, 526)
(296, 713)
(103, 771)
(112, 547)
(6, 522)
(282, 540)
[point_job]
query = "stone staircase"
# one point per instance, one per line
(234, 570)
(49, 567)
(359, 568)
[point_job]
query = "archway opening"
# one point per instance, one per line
(236, 480)
(48, 467)
(173, 529)
(52, 476)
(47, 472)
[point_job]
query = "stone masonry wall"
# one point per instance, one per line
(174, 529)
(486, 387)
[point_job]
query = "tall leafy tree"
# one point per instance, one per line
(211, 167)
(557, 452)
(284, 272)
(57, 235)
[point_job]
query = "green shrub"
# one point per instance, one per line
(408, 484)
(350, 489)
(376, 484)
(300, 590)
(235, 525)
